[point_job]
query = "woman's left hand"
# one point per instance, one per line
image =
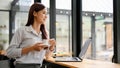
(52, 44)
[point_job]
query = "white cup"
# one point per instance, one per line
(45, 42)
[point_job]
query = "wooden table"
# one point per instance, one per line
(86, 63)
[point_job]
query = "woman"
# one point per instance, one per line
(26, 45)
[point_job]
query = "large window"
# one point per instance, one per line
(63, 26)
(4, 23)
(4, 30)
(63, 33)
(98, 24)
(21, 15)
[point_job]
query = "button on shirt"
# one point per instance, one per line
(25, 37)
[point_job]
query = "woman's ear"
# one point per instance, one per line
(34, 13)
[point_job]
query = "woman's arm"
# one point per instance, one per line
(14, 50)
(49, 52)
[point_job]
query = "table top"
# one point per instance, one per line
(87, 63)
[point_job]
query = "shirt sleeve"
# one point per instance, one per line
(14, 49)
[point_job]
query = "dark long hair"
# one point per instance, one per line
(36, 7)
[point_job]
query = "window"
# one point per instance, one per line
(63, 25)
(98, 24)
(4, 30)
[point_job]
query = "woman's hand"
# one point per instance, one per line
(52, 43)
(35, 47)
(38, 46)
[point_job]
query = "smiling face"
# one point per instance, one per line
(40, 16)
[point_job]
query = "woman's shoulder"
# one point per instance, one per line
(23, 28)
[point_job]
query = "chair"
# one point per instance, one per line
(4, 64)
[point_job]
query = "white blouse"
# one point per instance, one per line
(24, 37)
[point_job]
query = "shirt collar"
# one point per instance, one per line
(30, 29)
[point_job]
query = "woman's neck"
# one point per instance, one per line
(36, 27)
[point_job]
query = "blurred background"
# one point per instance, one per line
(97, 22)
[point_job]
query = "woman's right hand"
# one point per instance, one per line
(38, 46)
(35, 47)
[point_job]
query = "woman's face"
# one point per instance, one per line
(40, 16)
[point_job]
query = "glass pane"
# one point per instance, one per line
(20, 19)
(63, 33)
(5, 5)
(4, 30)
(46, 3)
(63, 27)
(98, 24)
(25, 2)
(22, 14)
